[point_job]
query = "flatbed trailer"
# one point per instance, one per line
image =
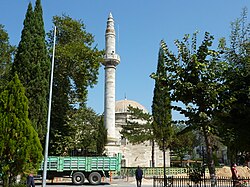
(81, 168)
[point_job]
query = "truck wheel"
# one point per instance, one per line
(95, 178)
(78, 178)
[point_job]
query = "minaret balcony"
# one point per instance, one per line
(113, 59)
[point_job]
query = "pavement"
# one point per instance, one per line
(130, 181)
(126, 182)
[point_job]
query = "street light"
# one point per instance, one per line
(49, 114)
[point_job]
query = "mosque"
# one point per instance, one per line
(116, 114)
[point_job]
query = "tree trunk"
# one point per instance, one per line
(210, 160)
(153, 153)
(6, 180)
(232, 154)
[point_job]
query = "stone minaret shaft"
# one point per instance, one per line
(111, 60)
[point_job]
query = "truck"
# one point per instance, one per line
(81, 168)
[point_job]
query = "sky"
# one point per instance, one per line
(140, 26)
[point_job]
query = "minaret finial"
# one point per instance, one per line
(110, 15)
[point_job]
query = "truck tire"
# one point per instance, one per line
(78, 178)
(95, 178)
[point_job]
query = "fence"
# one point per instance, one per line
(156, 171)
(172, 181)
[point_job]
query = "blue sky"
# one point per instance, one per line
(140, 25)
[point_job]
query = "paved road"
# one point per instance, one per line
(114, 183)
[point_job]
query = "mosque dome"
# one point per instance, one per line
(121, 106)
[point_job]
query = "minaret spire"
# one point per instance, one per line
(110, 15)
(111, 60)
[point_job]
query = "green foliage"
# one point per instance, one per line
(234, 128)
(88, 133)
(32, 65)
(195, 174)
(6, 53)
(20, 148)
(22, 58)
(76, 68)
(18, 185)
(139, 126)
(161, 107)
(101, 140)
(183, 143)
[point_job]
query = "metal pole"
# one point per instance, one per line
(203, 166)
(49, 112)
(164, 162)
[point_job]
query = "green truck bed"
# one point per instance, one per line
(86, 164)
(81, 168)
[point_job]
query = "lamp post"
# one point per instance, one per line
(49, 114)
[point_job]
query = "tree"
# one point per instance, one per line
(158, 127)
(183, 143)
(22, 59)
(138, 128)
(32, 65)
(161, 107)
(6, 53)
(40, 75)
(20, 148)
(88, 134)
(76, 68)
(235, 121)
(195, 79)
(101, 137)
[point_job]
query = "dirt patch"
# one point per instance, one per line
(244, 172)
(226, 171)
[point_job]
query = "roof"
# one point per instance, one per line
(121, 106)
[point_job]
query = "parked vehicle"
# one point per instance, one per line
(81, 168)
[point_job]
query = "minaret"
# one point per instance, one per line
(111, 60)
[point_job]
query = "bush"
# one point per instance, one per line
(195, 174)
(18, 185)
